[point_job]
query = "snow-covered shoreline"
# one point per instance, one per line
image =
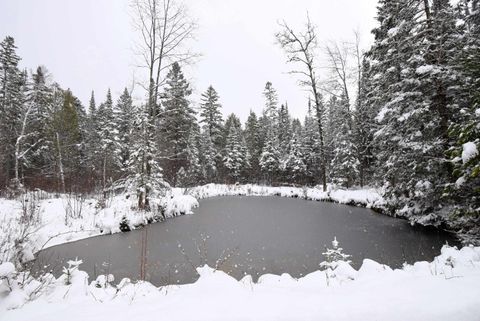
(366, 197)
(446, 289)
(53, 228)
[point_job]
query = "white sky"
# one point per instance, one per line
(88, 44)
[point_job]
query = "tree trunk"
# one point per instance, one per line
(60, 163)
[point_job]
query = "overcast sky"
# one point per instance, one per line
(88, 44)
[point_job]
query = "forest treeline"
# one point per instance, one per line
(412, 128)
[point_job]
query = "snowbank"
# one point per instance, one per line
(66, 218)
(446, 289)
(367, 197)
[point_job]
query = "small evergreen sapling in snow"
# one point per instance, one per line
(72, 267)
(333, 256)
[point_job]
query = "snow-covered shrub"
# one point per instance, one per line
(333, 256)
(7, 274)
(336, 264)
(104, 281)
(73, 205)
(180, 205)
(69, 271)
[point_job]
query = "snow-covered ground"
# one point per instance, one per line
(368, 197)
(66, 218)
(446, 289)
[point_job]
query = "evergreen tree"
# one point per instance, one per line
(344, 163)
(145, 177)
(284, 128)
(363, 128)
(39, 99)
(208, 157)
(210, 115)
(295, 164)
(11, 103)
(236, 157)
(176, 124)
(123, 122)
(270, 157)
(463, 195)
(108, 134)
(312, 148)
(66, 137)
(253, 144)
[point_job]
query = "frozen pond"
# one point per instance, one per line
(250, 235)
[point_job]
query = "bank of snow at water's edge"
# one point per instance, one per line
(89, 219)
(368, 197)
(446, 289)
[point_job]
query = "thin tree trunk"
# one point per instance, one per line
(104, 176)
(60, 163)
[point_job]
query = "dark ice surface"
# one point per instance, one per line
(250, 235)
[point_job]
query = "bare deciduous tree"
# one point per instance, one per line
(338, 56)
(164, 27)
(300, 48)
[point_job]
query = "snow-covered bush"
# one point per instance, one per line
(333, 256)
(104, 281)
(69, 271)
(73, 204)
(7, 274)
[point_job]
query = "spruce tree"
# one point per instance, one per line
(253, 144)
(176, 124)
(210, 114)
(11, 102)
(236, 158)
(145, 175)
(270, 157)
(295, 164)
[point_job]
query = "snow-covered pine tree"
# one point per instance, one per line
(363, 128)
(123, 121)
(211, 116)
(254, 147)
(344, 163)
(295, 165)
(207, 157)
(419, 95)
(177, 122)
(297, 128)
(271, 106)
(236, 158)
(145, 177)
(311, 147)
(284, 128)
(37, 155)
(284, 131)
(398, 138)
(92, 141)
(108, 147)
(270, 157)
(194, 173)
(463, 195)
(333, 256)
(11, 104)
(212, 123)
